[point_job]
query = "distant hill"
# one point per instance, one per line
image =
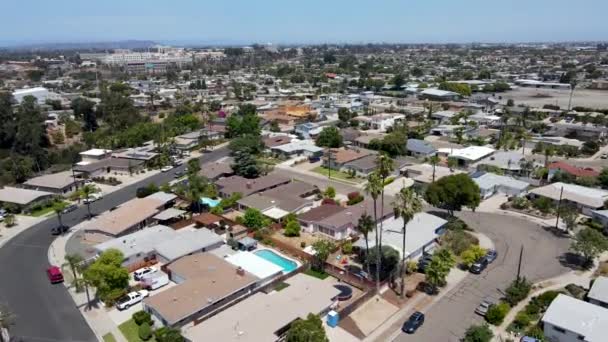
(125, 44)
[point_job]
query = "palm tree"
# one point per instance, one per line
(384, 167)
(374, 188)
(524, 136)
(407, 203)
(59, 211)
(74, 261)
(549, 152)
(526, 166)
(85, 192)
(434, 160)
(364, 226)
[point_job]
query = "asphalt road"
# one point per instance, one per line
(45, 312)
(448, 319)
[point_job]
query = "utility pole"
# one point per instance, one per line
(329, 162)
(521, 254)
(559, 204)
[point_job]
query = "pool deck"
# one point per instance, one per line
(282, 255)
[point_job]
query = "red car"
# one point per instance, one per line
(54, 274)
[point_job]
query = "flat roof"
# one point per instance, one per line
(238, 323)
(95, 152)
(590, 197)
(489, 180)
(579, 317)
(169, 214)
(21, 196)
(472, 153)
(209, 279)
(57, 180)
(259, 267)
(142, 241)
(185, 242)
(599, 290)
(125, 216)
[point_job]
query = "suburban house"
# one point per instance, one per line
(422, 234)
(585, 199)
(296, 147)
(337, 222)
(261, 268)
(382, 121)
(420, 148)
(572, 320)
(439, 95)
(188, 141)
(58, 183)
(216, 170)
(490, 184)
(233, 184)
(598, 294)
(508, 161)
(24, 199)
(560, 166)
(143, 153)
(294, 197)
(276, 140)
(423, 173)
(161, 243)
(94, 155)
(205, 284)
(304, 295)
(337, 158)
(126, 218)
(106, 166)
(362, 166)
(471, 154)
(601, 216)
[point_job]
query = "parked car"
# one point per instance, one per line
(69, 208)
(54, 274)
(604, 156)
(491, 255)
(59, 230)
(131, 298)
(93, 197)
(178, 174)
(529, 339)
(155, 280)
(483, 307)
(142, 272)
(413, 323)
(166, 168)
(479, 266)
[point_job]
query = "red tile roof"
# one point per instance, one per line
(573, 170)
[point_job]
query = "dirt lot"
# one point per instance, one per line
(537, 97)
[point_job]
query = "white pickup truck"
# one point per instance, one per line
(131, 298)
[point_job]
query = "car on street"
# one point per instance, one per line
(479, 266)
(69, 208)
(166, 168)
(54, 274)
(413, 323)
(142, 272)
(178, 174)
(131, 299)
(59, 230)
(93, 197)
(604, 156)
(491, 255)
(483, 307)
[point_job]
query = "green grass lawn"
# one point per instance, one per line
(46, 210)
(336, 174)
(131, 331)
(316, 274)
(109, 338)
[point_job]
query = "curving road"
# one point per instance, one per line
(46, 312)
(448, 319)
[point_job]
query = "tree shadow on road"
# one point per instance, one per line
(573, 261)
(559, 233)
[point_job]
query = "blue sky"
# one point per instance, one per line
(309, 21)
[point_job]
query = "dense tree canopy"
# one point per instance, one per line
(329, 137)
(453, 192)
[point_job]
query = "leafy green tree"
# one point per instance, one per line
(330, 192)
(568, 215)
(453, 192)
(194, 166)
(589, 243)
(168, 334)
(323, 249)
(398, 81)
(247, 143)
(603, 178)
(292, 228)
(344, 114)
(107, 275)
(245, 165)
(517, 291)
(406, 205)
(434, 160)
(460, 88)
(478, 333)
(254, 219)
(307, 330)
(329, 137)
(497, 312)
(471, 255)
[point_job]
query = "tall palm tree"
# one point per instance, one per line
(434, 160)
(364, 226)
(85, 192)
(549, 151)
(374, 188)
(407, 203)
(384, 167)
(59, 212)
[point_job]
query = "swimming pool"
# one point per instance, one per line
(210, 202)
(286, 264)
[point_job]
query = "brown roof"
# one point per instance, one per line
(206, 219)
(573, 170)
(344, 156)
(319, 213)
(129, 214)
(246, 187)
(215, 170)
(208, 279)
(277, 141)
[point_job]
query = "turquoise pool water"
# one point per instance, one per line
(286, 264)
(210, 202)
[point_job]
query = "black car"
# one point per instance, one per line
(59, 230)
(413, 323)
(69, 208)
(479, 266)
(424, 262)
(491, 255)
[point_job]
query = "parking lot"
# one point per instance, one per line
(448, 319)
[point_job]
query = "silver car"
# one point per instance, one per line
(483, 307)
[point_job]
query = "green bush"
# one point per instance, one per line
(141, 317)
(545, 299)
(532, 308)
(576, 291)
(517, 291)
(522, 320)
(347, 247)
(543, 204)
(536, 332)
(292, 229)
(497, 312)
(520, 203)
(145, 332)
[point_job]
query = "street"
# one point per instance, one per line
(448, 319)
(46, 312)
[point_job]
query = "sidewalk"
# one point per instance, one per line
(97, 316)
(580, 278)
(23, 223)
(317, 175)
(390, 329)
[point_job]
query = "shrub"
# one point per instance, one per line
(353, 194)
(303, 244)
(472, 254)
(478, 333)
(520, 203)
(144, 331)
(522, 320)
(576, 291)
(497, 312)
(536, 332)
(141, 317)
(458, 241)
(353, 201)
(545, 299)
(292, 229)
(532, 308)
(347, 247)
(389, 180)
(328, 201)
(517, 291)
(543, 204)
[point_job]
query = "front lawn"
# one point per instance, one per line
(130, 330)
(317, 274)
(46, 209)
(336, 174)
(109, 338)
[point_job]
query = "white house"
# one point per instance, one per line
(572, 320)
(585, 199)
(491, 183)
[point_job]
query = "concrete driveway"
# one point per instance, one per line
(448, 319)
